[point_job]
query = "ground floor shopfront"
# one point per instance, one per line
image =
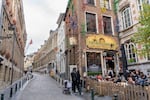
(99, 62)
(101, 54)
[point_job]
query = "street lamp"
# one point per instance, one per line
(60, 61)
(12, 28)
(124, 61)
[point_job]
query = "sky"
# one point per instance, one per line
(41, 17)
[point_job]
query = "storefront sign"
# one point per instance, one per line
(72, 41)
(101, 42)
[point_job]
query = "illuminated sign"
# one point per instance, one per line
(101, 41)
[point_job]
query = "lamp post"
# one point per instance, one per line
(60, 62)
(12, 28)
(124, 61)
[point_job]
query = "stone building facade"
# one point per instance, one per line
(45, 58)
(128, 15)
(28, 62)
(61, 40)
(13, 40)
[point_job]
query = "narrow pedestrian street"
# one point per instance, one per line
(74, 49)
(43, 87)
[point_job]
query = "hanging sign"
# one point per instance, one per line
(103, 10)
(72, 41)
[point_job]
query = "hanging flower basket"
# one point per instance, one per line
(3, 52)
(14, 21)
(7, 55)
(10, 12)
(15, 63)
(8, 2)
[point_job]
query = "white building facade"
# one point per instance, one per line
(61, 58)
(128, 16)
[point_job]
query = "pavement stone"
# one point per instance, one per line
(87, 96)
(43, 87)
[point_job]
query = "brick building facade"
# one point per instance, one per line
(92, 37)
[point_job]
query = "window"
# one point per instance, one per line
(139, 4)
(131, 56)
(91, 22)
(105, 4)
(5, 70)
(91, 2)
(107, 25)
(9, 75)
(93, 62)
(126, 18)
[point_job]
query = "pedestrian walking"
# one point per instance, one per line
(78, 82)
(74, 79)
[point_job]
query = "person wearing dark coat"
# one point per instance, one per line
(78, 81)
(74, 79)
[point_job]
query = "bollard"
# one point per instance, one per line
(11, 91)
(19, 84)
(88, 87)
(115, 97)
(16, 88)
(92, 94)
(80, 89)
(2, 96)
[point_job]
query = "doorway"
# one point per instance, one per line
(109, 60)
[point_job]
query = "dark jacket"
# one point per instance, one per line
(78, 77)
(73, 76)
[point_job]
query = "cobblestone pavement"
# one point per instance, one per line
(87, 96)
(43, 87)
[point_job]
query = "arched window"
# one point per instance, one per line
(130, 53)
(126, 17)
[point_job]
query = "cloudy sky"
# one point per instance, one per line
(40, 18)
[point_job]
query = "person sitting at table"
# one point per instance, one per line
(130, 81)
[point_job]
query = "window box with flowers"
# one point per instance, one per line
(131, 60)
